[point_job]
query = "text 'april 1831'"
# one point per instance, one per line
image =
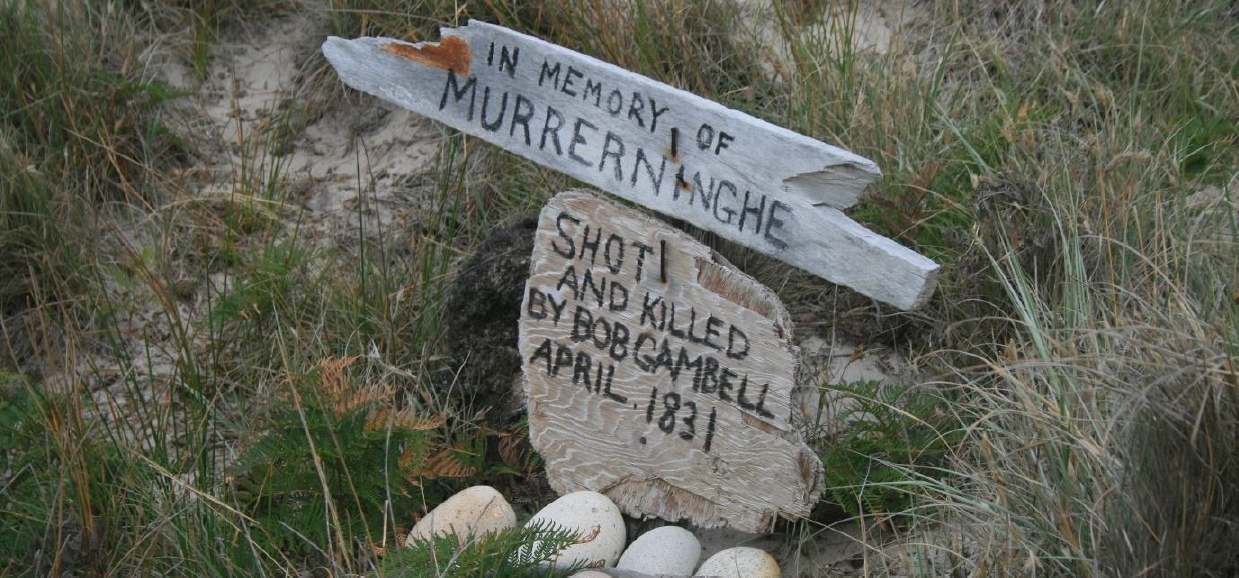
(641, 350)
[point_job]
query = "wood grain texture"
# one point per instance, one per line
(742, 178)
(599, 411)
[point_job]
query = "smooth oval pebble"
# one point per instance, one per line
(588, 513)
(471, 511)
(666, 550)
(740, 562)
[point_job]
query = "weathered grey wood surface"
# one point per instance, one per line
(747, 180)
(657, 374)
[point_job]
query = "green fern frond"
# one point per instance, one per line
(337, 450)
(526, 551)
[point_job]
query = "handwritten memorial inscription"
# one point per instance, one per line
(656, 374)
(580, 136)
(754, 183)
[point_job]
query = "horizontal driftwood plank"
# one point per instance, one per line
(745, 179)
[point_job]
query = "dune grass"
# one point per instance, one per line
(1072, 165)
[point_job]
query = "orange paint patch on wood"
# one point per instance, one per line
(450, 54)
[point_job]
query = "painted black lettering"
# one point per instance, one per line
(614, 258)
(707, 192)
(596, 290)
(605, 341)
(680, 332)
(710, 430)
(580, 369)
(705, 136)
(558, 307)
(508, 60)
(582, 323)
(618, 304)
(657, 112)
(606, 390)
(568, 279)
(617, 153)
(664, 357)
(535, 304)
(655, 182)
(718, 202)
(578, 138)
(493, 125)
(712, 326)
(734, 338)
(725, 384)
(649, 409)
(458, 93)
(548, 72)
(689, 421)
(644, 363)
(591, 246)
(543, 352)
(761, 401)
(619, 341)
(755, 210)
(705, 379)
(774, 223)
(647, 311)
(615, 102)
(671, 404)
(723, 139)
(592, 88)
(685, 363)
(740, 399)
(569, 80)
(642, 249)
(547, 128)
(522, 113)
(563, 358)
(634, 109)
(597, 379)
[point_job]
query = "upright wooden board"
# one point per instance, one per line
(657, 374)
(747, 180)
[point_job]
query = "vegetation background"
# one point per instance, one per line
(194, 380)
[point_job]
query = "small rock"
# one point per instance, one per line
(590, 514)
(740, 562)
(483, 308)
(613, 573)
(471, 511)
(666, 550)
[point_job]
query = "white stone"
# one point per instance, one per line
(471, 511)
(668, 550)
(740, 562)
(589, 514)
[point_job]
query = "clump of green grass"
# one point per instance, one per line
(78, 127)
(893, 437)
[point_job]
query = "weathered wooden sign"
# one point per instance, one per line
(747, 180)
(657, 374)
